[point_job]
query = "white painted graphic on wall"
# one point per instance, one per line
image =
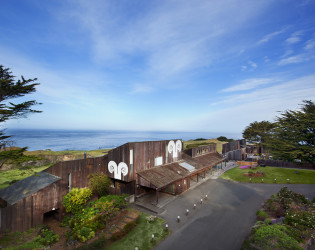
(174, 147)
(121, 169)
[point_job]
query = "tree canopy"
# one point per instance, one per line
(292, 138)
(257, 132)
(9, 90)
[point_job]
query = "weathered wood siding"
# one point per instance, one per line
(79, 170)
(203, 150)
(236, 155)
(29, 212)
(234, 145)
(144, 154)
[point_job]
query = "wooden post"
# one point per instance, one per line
(197, 178)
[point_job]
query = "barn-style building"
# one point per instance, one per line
(134, 168)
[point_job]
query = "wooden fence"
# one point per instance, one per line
(285, 164)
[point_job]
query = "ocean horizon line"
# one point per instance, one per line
(68, 139)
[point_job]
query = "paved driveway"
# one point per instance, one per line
(224, 220)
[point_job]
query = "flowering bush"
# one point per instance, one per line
(286, 197)
(300, 219)
(297, 225)
(105, 209)
(75, 200)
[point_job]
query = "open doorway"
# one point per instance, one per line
(52, 215)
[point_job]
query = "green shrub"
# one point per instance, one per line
(286, 197)
(85, 234)
(99, 184)
(118, 200)
(301, 219)
(261, 215)
(105, 209)
(274, 237)
(47, 237)
(75, 200)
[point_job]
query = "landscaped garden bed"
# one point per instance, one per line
(282, 175)
(285, 221)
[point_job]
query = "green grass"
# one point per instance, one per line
(17, 174)
(76, 153)
(271, 173)
(21, 240)
(141, 235)
(197, 143)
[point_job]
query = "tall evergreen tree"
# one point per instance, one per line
(293, 138)
(9, 90)
(258, 132)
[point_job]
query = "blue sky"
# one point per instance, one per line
(161, 64)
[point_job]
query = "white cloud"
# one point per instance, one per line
(295, 37)
(287, 53)
(253, 64)
(266, 59)
(239, 110)
(250, 84)
(170, 38)
(141, 88)
(295, 59)
(310, 44)
(268, 37)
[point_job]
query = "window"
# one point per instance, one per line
(69, 181)
(158, 161)
(131, 160)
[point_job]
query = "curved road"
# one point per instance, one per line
(223, 220)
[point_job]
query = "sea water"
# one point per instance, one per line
(59, 140)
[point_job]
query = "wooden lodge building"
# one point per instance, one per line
(134, 168)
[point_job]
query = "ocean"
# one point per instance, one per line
(59, 140)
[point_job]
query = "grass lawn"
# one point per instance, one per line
(141, 235)
(78, 153)
(21, 240)
(17, 174)
(197, 143)
(271, 173)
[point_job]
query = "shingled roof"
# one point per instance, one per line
(21, 189)
(163, 175)
(166, 174)
(203, 161)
